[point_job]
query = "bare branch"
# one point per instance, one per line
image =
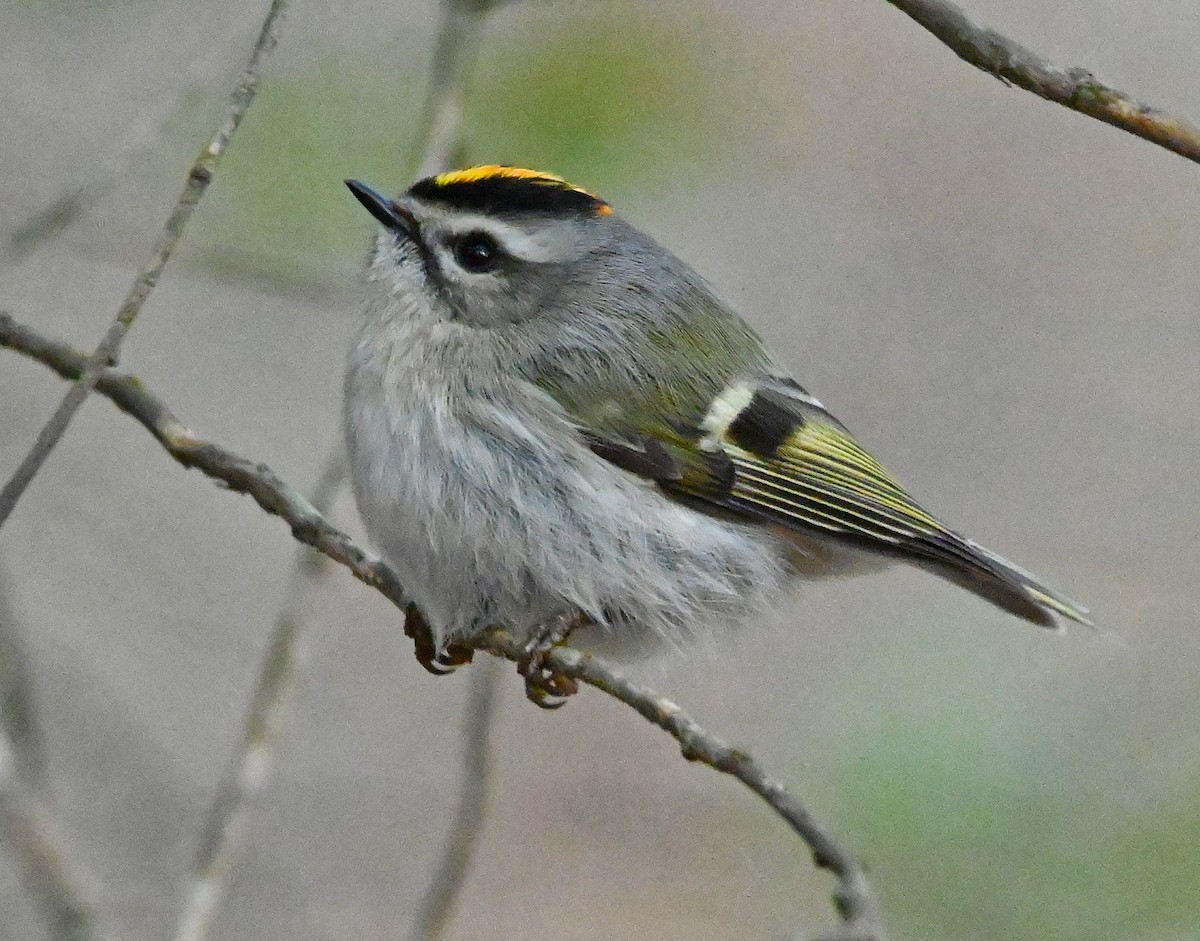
(453, 57)
(198, 178)
(438, 904)
(46, 865)
(854, 898)
(1075, 88)
(236, 473)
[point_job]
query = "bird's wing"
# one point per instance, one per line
(768, 451)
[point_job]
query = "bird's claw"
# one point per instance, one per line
(437, 660)
(545, 687)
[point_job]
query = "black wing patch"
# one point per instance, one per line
(766, 424)
(647, 457)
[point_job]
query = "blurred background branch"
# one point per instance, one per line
(854, 898)
(1075, 88)
(248, 770)
(454, 57)
(50, 871)
(18, 712)
(199, 176)
(475, 784)
(48, 868)
(73, 202)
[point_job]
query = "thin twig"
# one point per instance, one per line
(853, 896)
(438, 904)
(1075, 88)
(454, 55)
(855, 900)
(248, 772)
(47, 868)
(198, 178)
(236, 473)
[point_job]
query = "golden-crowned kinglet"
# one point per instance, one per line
(548, 414)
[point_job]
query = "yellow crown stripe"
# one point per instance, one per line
(494, 171)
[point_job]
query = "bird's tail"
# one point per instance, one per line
(981, 571)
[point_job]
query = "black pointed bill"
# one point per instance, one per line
(389, 214)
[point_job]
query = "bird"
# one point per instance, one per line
(557, 426)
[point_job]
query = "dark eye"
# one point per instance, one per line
(477, 252)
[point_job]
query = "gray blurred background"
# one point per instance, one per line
(999, 296)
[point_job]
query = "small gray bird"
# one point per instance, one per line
(550, 416)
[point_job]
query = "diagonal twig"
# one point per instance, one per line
(234, 472)
(198, 178)
(854, 897)
(1075, 88)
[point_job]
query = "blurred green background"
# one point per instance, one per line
(999, 296)
(624, 97)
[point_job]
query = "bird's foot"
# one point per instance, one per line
(437, 660)
(546, 687)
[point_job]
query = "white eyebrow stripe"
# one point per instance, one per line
(541, 245)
